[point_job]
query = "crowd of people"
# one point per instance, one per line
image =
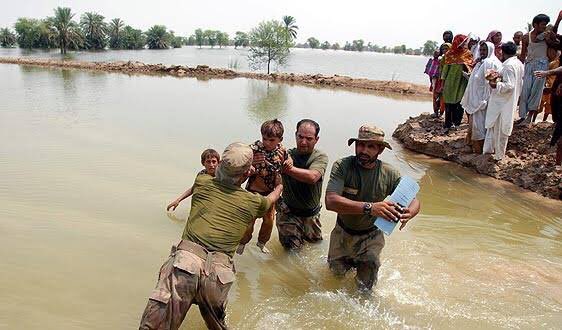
(283, 187)
(499, 84)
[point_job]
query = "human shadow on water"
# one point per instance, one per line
(266, 100)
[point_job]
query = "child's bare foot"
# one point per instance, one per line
(240, 249)
(263, 248)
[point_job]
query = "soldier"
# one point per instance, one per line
(298, 213)
(200, 268)
(356, 191)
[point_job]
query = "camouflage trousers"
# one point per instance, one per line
(360, 251)
(294, 230)
(191, 275)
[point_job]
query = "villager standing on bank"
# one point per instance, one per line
(503, 102)
(517, 37)
(495, 37)
(356, 191)
(456, 66)
(534, 55)
(298, 212)
(200, 269)
(477, 94)
(438, 101)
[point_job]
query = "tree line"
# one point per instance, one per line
(359, 46)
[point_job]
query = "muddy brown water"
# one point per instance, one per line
(89, 160)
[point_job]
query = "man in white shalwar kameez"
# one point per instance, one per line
(502, 103)
(477, 94)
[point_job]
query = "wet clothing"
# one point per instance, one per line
(302, 197)
(268, 164)
(298, 212)
(360, 251)
(220, 214)
(191, 275)
(352, 181)
(295, 230)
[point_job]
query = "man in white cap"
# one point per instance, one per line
(200, 268)
(356, 191)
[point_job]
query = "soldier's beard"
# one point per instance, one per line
(365, 160)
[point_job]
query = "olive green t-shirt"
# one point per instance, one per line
(220, 214)
(299, 195)
(352, 181)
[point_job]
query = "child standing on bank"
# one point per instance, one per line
(210, 159)
(269, 156)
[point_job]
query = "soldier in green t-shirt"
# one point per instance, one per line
(356, 191)
(298, 213)
(200, 268)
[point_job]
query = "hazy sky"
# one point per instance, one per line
(382, 22)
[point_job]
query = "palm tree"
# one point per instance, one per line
(7, 38)
(157, 37)
(115, 33)
(94, 30)
(68, 32)
(290, 27)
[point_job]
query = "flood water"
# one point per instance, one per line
(88, 162)
(355, 64)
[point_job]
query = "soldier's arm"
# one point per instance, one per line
(303, 175)
(342, 205)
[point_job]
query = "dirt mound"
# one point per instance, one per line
(529, 160)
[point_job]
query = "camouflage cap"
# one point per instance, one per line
(369, 132)
(236, 159)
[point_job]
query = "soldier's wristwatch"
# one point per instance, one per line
(367, 208)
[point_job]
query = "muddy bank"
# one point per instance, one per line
(529, 160)
(134, 67)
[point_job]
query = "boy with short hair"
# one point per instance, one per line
(210, 159)
(269, 156)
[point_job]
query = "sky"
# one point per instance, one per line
(381, 22)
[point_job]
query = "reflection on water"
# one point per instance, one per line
(90, 160)
(266, 101)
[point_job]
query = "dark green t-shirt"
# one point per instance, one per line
(299, 195)
(220, 214)
(357, 183)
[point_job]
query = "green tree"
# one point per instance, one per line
(47, 34)
(94, 29)
(115, 31)
(429, 47)
(358, 45)
(199, 37)
(211, 37)
(7, 38)
(313, 42)
(175, 41)
(27, 30)
(133, 38)
(336, 46)
(241, 39)
(325, 45)
(291, 28)
(268, 43)
(68, 33)
(157, 37)
(222, 39)
(191, 40)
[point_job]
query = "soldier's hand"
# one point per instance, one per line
(405, 217)
(172, 206)
(387, 210)
(288, 164)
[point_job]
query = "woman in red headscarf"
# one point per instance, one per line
(457, 65)
(495, 37)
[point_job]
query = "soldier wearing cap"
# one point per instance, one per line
(356, 191)
(200, 268)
